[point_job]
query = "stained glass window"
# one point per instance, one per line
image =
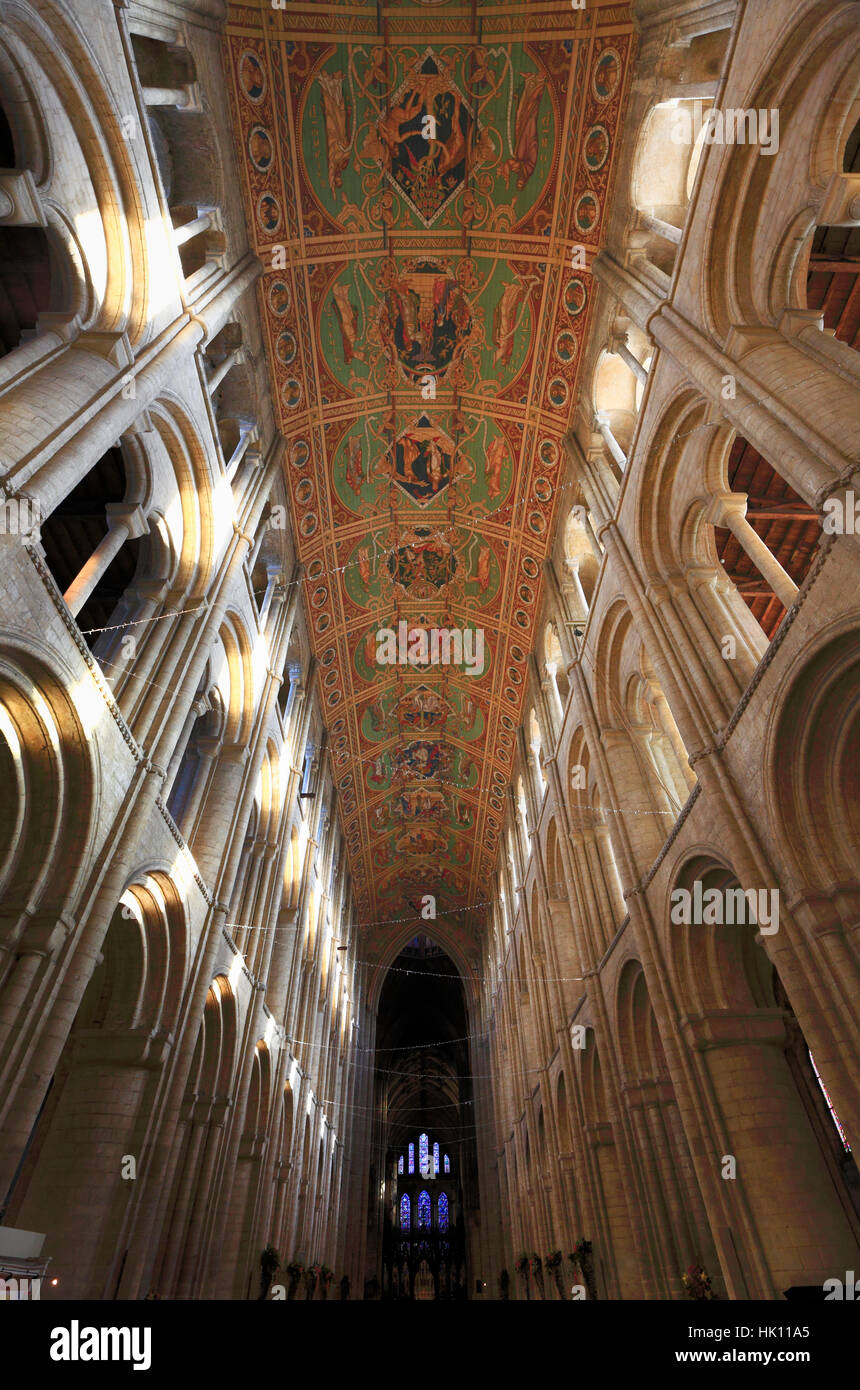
(400, 1164)
(405, 1212)
(435, 1160)
(447, 1164)
(833, 1115)
(423, 1156)
(443, 1212)
(424, 1211)
(412, 1158)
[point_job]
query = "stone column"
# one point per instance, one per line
(247, 437)
(617, 1250)
(602, 422)
(189, 1282)
(618, 346)
(194, 1125)
(798, 1230)
(550, 689)
(208, 750)
(730, 510)
(661, 1199)
(26, 1089)
(181, 97)
(581, 602)
(43, 935)
(124, 523)
(233, 359)
(198, 708)
(78, 1189)
(599, 486)
(154, 1190)
(187, 231)
(660, 228)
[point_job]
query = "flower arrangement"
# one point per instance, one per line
(522, 1265)
(552, 1261)
(697, 1283)
(295, 1271)
(326, 1274)
(581, 1251)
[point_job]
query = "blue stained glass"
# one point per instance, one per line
(423, 1156)
(424, 1211)
(435, 1160)
(400, 1164)
(443, 1212)
(405, 1212)
(412, 1158)
(447, 1164)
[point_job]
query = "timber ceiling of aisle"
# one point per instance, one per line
(408, 258)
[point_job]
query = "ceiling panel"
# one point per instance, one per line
(416, 177)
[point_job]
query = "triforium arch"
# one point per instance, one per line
(107, 1083)
(50, 769)
(738, 1014)
(84, 187)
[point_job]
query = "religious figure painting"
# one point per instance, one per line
(420, 760)
(346, 316)
(493, 464)
(422, 840)
(423, 565)
(424, 321)
(426, 351)
(420, 805)
(252, 78)
(505, 320)
(423, 709)
(336, 114)
(354, 466)
(423, 457)
(525, 154)
(421, 140)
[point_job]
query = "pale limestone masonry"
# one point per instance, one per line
(171, 908)
(176, 946)
(734, 771)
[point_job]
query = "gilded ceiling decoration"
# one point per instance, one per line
(416, 179)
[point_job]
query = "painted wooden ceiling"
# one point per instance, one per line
(417, 176)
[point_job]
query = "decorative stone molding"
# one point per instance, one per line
(74, 631)
(113, 347)
(20, 203)
(840, 206)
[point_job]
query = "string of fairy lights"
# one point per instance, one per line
(346, 758)
(356, 1052)
(437, 534)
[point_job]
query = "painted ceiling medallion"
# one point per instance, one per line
(424, 708)
(425, 321)
(423, 461)
(423, 564)
(421, 141)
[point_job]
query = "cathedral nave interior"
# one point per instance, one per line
(520, 963)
